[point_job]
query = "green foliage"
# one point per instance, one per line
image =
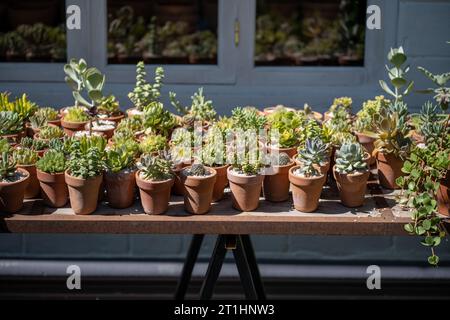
(48, 113)
(86, 164)
(50, 132)
(248, 118)
(197, 169)
(350, 159)
(315, 152)
(77, 114)
(37, 121)
(287, 124)
(7, 167)
(155, 168)
(4, 145)
(158, 120)
(108, 106)
(53, 161)
(247, 167)
(441, 93)
(153, 143)
(144, 93)
(119, 159)
(33, 144)
(397, 74)
(341, 103)
(85, 143)
(364, 118)
(128, 143)
(214, 151)
(133, 124)
(25, 156)
(10, 123)
(22, 106)
(200, 109)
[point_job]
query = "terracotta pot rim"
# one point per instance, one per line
(280, 148)
(78, 123)
(27, 176)
(81, 179)
(213, 173)
(233, 173)
(155, 182)
(50, 174)
(26, 165)
(355, 174)
(291, 173)
(291, 163)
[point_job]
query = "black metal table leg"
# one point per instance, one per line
(188, 266)
(214, 267)
(245, 273)
(256, 276)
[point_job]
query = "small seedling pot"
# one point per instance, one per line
(245, 190)
(198, 191)
(12, 193)
(54, 188)
(155, 195)
(306, 190)
(352, 187)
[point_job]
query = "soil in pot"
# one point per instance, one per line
(306, 190)
(83, 193)
(245, 190)
(12, 193)
(443, 196)
(71, 127)
(120, 188)
(155, 195)
(33, 189)
(221, 183)
(276, 183)
(352, 187)
(54, 188)
(389, 169)
(198, 191)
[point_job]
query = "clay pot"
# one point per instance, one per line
(54, 188)
(108, 134)
(306, 191)
(83, 193)
(198, 191)
(56, 122)
(12, 193)
(178, 186)
(115, 119)
(291, 152)
(276, 183)
(133, 112)
(270, 110)
(120, 188)
(71, 127)
(245, 190)
(389, 169)
(15, 138)
(32, 190)
(368, 144)
(352, 187)
(221, 183)
(155, 195)
(443, 196)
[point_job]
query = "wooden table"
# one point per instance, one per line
(379, 216)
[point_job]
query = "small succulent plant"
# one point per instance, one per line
(155, 168)
(23, 107)
(133, 124)
(25, 156)
(315, 151)
(108, 106)
(50, 132)
(77, 114)
(350, 158)
(200, 109)
(144, 93)
(158, 120)
(281, 159)
(86, 164)
(48, 113)
(341, 103)
(364, 117)
(10, 123)
(153, 143)
(248, 118)
(4, 145)
(38, 121)
(33, 144)
(53, 161)
(119, 159)
(198, 170)
(7, 168)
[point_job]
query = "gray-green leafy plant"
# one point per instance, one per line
(10, 123)
(53, 161)
(4, 145)
(86, 164)
(48, 113)
(441, 93)
(108, 106)
(38, 120)
(25, 156)
(145, 93)
(33, 144)
(315, 151)
(350, 159)
(156, 168)
(158, 120)
(197, 169)
(7, 167)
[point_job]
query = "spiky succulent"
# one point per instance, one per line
(37, 121)
(144, 93)
(315, 151)
(86, 164)
(119, 159)
(153, 143)
(133, 124)
(7, 167)
(33, 144)
(155, 168)
(77, 114)
(48, 113)
(10, 123)
(50, 132)
(200, 110)
(53, 161)
(350, 158)
(248, 118)
(25, 156)
(23, 107)
(198, 170)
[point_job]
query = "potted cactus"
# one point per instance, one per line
(318, 152)
(154, 180)
(145, 93)
(75, 119)
(84, 177)
(11, 127)
(13, 182)
(198, 183)
(26, 159)
(351, 173)
(276, 181)
(120, 178)
(50, 173)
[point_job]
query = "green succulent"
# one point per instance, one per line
(155, 168)
(108, 106)
(86, 164)
(158, 120)
(48, 113)
(38, 121)
(126, 142)
(315, 151)
(22, 106)
(50, 132)
(133, 124)
(10, 123)
(144, 93)
(84, 144)
(57, 144)
(76, 114)
(197, 169)
(214, 153)
(280, 159)
(33, 144)
(364, 118)
(119, 159)
(200, 109)
(53, 161)
(25, 156)
(153, 143)
(350, 159)
(7, 167)
(287, 123)
(4, 145)
(344, 103)
(248, 118)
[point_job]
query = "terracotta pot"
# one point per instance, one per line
(443, 196)
(198, 191)
(306, 191)
(245, 190)
(155, 195)
(120, 188)
(56, 122)
(270, 110)
(291, 152)
(276, 183)
(15, 138)
(32, 190)
(133, 112)
(368, 144)
(83, 193)
(12, 193)
(106, 133)
(178, 186)
(352, 187)
(71, 127)
(221, 183)
(389, 169)
(116, 119)
(54, 188)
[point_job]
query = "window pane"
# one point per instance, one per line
(310, 33)
(162, 32)
(32, 31)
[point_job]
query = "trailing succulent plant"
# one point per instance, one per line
(315, 151)
(50, 132)
(153, 143)
(286, 123)
(108, 106)
(364, 117)
(144, 93)
(119, 159)
(350, 159)
(87, 164)
(53, 161)
(248, 118)
(158, 120)
(10, 123)
(198, 170)
(77, 114)
(200, 109)
(155, 168)
(25, 156)
(7, 168)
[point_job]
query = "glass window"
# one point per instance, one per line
(310, 33)
(32, 31)
(162, 31)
